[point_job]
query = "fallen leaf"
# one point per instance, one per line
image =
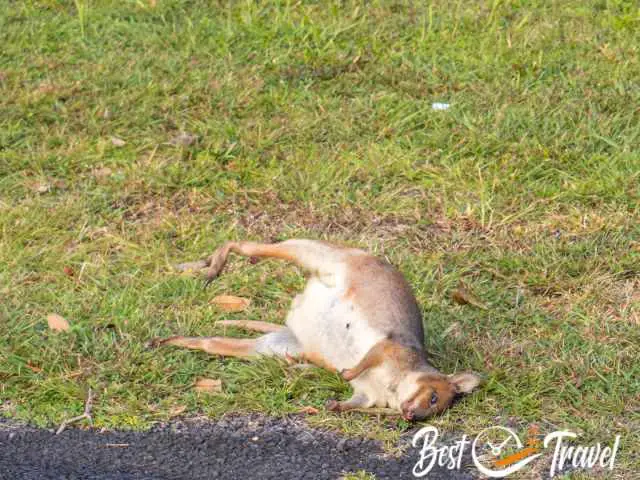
(102, 172)
(184, 139)
(231, 303)
(41, 187)
(208, 385)
(177, 410)
(57, 323)
(118, 142)
(60, 184)
(46, 186)
(309, 410)
(46, 87)
(33, 368)
(463, 296)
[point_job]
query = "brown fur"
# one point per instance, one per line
(386, 350)
(381, 291)
(399, 372)
(318, 360)
(439, 384)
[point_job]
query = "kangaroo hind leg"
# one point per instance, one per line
(318, 257)
(256, 326)
(223, 346)
(281, 343)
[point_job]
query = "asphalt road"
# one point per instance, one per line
(244, 447)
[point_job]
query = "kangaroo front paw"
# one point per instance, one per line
(332, 405)
(158, 342)
(348, 374)
(216, 263)
(207, 280)
(153, 343)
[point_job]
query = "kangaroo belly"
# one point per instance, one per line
(329, 326)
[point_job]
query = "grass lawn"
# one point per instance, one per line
(134, 136)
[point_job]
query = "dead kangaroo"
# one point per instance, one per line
(358, 316)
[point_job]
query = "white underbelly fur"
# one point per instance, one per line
(327, 324)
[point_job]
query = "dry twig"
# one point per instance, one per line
(86, 414)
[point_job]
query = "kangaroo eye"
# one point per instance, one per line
(434, 398)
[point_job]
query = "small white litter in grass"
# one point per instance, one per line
(440, 106)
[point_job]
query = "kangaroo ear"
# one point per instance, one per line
(464, 382)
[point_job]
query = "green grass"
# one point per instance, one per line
(314, 119)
